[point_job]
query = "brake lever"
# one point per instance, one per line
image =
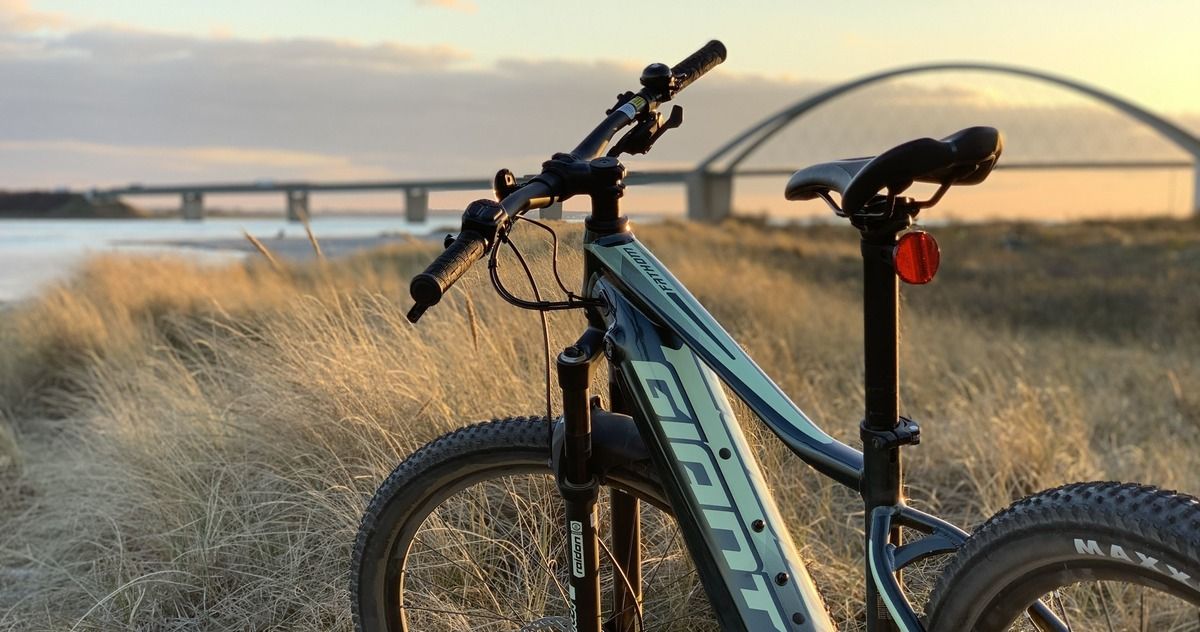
(650, 127)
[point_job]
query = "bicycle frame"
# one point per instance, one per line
(669, 357)
(729, 521)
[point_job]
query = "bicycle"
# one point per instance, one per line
(669, 442)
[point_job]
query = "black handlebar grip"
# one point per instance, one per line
(700, 62)
(428, 287)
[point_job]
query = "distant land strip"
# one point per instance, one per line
(50, 205)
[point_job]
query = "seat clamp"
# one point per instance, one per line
(907, 432)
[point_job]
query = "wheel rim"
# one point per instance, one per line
(1104, 599)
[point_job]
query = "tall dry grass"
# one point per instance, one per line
(186, 447)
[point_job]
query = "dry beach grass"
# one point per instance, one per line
(191, 448)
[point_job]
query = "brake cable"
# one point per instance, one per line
(542, 313)
(573, 301)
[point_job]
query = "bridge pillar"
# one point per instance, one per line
(297, 205)
(1196, 188)
(416, 205)
(192, 205)
(709, 195)
(554, 211)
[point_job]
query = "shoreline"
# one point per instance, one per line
(288, 247)
(35, 253)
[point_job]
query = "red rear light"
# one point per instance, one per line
(917, 257)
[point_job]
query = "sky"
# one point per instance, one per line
(106, 93)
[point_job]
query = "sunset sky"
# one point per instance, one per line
(102, 93)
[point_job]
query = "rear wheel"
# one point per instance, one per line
(467, 534)
(1101, 556)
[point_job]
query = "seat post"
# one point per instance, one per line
(882, 474)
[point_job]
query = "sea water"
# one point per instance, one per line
(35, 252)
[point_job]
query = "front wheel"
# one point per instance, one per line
(1101, 556)
(468, 534)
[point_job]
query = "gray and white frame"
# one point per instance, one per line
(672, 357)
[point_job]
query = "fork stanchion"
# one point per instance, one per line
(577, 485)
(626, 526)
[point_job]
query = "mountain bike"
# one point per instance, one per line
(497, 526)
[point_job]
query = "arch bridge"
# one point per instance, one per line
(710, 183)
(710, 187)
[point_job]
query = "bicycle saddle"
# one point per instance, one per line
(965, 157)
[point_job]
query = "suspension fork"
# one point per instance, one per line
(626, 526)
(577, 484)
(605, 190)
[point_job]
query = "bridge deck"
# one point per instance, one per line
(634, 178)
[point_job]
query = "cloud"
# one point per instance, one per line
(17, 17)
(108, 164)
(107, 105)
(204, 156)
(137, 47)
(415, 111)
(462, 6)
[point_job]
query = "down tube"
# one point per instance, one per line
(740, 544)
(652, 288)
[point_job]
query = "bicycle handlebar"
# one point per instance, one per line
(428, 287)
(480, 229)
(698, 63)
(481, 224)
(484, 219)
(535, 194)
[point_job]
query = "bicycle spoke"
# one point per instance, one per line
(635, 604)
(463, 551)
(1057, 596)
(546, 562)
(475, 559)
(464, 614)
(474, 571)
(1142, 609)
(663, 557)
(1104, 605)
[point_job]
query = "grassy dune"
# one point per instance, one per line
(191, 448)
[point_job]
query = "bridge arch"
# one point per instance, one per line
(710, 190)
